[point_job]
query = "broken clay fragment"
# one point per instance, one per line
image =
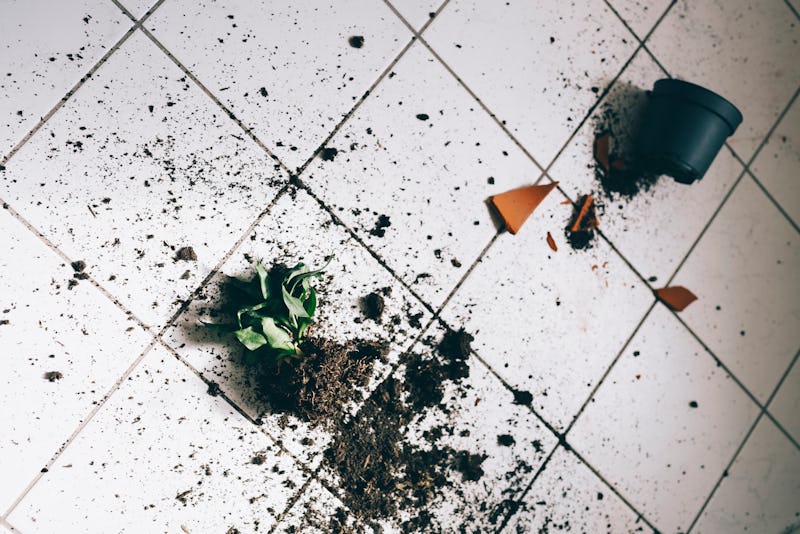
(516, 206)
(601, 148)
(677, 298)
(551, 242)
(586, 218)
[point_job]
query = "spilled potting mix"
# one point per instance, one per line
(384, 474)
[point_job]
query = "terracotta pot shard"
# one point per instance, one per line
(551, 242)
(677, 298)
(601, 148)
(586, 218)
(516, 206)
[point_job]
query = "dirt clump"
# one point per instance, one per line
(186, 254)
(373, 305)
(52, 376)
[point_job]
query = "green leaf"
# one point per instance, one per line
(277, 337)
(293, 279)
(250, 338)
(293, 304)
(248, 309)
(262, 280)
(310, 303)
(302, 326)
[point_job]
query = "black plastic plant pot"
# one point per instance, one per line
(683, 128)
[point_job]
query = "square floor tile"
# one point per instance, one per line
(416, 164)
(778, 163)
(746, 273)
(48, 327)
(317, 511)
(568, 496)
(549, 322)
(477, 414)
(744, 50)
(286, 69)
(786, 404)
(640, 15)
(417, 12)
(655, 228)
(664, 423)
(137, 165)
(545, 72)
(297, 229)
(47, 47)
(760, 493)
(164, 456)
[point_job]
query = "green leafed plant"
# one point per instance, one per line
(277, 308)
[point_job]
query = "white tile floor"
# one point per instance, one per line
(129, 131)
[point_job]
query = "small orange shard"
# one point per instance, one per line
(601, 148)
(579, 223)
(516, 206)
(551, 242)
(677, 298)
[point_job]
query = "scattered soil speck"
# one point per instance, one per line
(328, 153)
(213, 389)
(258, 459)
(381, 225)
(506, 440)
(52, 376)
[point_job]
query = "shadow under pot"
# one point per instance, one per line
(683, 128)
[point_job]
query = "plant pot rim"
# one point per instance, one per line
(700, 96)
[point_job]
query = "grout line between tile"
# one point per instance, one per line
(563, 436)
(608, 87)
(54, 248)
(156, 337)
(86, 420)
(9, 526)
(774, 201)
(84, 79)
(374, 85)
(783, 430)
(614, 490)
(478, 100)
(337, 221)
(293, 500)
(513, 509)
(791, 7)
(742, 444)
(246, 129)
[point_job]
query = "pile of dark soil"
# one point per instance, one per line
(317, 387)
(381, 471)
